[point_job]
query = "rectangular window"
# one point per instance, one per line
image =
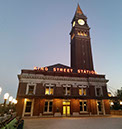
(31, 89)
(83, 106)
(49, 91)
(28, 106)
(48, 106)
(82, 91)
(99, 103)
(66, 90)
(98, 91)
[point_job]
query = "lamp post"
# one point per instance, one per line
(6, 95)
(10, 100)
(0, 90)
(14, 101)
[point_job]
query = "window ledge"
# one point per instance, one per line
(48, 113)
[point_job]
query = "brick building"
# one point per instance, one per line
(60, 90)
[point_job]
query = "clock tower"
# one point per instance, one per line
(81, 54)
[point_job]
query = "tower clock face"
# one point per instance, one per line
(81, 22)
(73, 24)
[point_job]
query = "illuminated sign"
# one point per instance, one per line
(86, 71)
(41, 68)
(65, 70)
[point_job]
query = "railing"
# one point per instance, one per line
(11, 121)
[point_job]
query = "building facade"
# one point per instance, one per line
(60, 90)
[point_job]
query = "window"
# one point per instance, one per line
(48, 106)
(31, 89)
(72, 36)
(49, 91)
(99, 104)
(82, 91)
(66, 90)
(83, 106)
(98, 91)
(28, 106)
(82, 33)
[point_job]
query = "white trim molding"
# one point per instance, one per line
(24, 108)
(101, 91)
(27, 88)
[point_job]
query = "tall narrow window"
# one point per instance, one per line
(68, 90)
(99, 104)
(98, 91)
(48, 106)
(28, 106)
(83, 106)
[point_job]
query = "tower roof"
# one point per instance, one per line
(78, 10)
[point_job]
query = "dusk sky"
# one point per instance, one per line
(36, 33)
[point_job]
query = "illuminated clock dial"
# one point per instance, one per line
(81, 22)
(73, 24)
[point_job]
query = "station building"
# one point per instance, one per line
(60, 90)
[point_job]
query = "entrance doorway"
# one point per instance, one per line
(66, 108)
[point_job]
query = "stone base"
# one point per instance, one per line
(75, 114)
(57, 114)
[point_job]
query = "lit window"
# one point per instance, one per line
(82, 91)
(48, 106)
(83, 106)
(73, 24)
(85, 34)
(68, 90)
(73, 35)
(49, 91)
(81, 33)
(28, 106)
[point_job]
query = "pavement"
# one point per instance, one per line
(110, 122)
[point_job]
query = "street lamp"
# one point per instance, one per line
(10, 99)
(120, 102)
(14, 101)
(0, 90)
(6, 95)
(112, 103)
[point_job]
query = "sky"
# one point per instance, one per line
(36, 33)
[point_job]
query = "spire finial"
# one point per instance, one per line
(78, 10)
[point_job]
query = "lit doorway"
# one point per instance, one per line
(66, 108)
